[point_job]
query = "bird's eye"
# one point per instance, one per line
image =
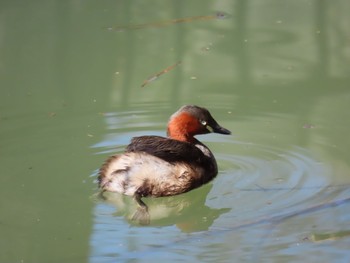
(204, 123)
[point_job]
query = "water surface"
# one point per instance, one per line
(275, 73)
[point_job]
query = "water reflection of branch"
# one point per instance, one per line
(271, 221)
(157, 75)
(279, 218)
(260, 188)
(218, 15)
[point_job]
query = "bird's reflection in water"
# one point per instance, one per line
(187, 211)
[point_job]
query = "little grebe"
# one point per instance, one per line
(158, 166)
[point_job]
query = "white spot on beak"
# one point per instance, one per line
(209, 128)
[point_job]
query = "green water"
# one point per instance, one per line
(276, 73)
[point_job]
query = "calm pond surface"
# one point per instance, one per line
(276, 73)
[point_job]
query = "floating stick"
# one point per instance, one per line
(218, 15)
(157, 75)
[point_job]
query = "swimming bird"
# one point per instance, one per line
(164, 166)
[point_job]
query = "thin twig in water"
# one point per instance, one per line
(261, 188)
(218, 15)
(279, 218)
(157, 75)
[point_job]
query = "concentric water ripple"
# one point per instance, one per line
(263, 180)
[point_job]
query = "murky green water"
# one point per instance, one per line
(276, 73)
